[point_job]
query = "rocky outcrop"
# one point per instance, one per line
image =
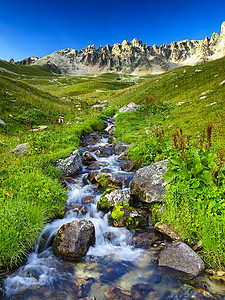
(134, 57)
(148, 183)
(181, 257)
(74, 239)
(70, 165)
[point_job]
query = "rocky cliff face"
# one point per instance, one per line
(134, 57)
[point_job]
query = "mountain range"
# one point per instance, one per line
(133, 57)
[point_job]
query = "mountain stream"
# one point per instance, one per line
(113, 269)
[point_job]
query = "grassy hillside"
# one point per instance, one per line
(189, 98)
(11, 70)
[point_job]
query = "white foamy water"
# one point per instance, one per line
(43, 268)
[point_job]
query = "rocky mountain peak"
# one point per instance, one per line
(134, 57)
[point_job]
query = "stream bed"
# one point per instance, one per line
(114, 268)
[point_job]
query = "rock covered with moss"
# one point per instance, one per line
(108, 180)
(124, 215)
(109, 199)
(148, 183)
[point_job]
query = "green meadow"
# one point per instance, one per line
(181, 118)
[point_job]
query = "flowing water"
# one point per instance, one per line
(112, 269)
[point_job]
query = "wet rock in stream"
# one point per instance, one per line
(76, 208)
(74, 239)
(120, 148)
(127, 166)
(108, 180)
(181, 257)
(148, 239)
(88, 158)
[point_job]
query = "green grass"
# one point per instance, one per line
(12, 70)
(43, 97)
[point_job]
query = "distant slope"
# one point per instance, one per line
(12, 70)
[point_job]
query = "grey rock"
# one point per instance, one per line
(181, 257)
(79, 209)
(127, 166)
(148, 183)
(74, 239)
(120, 147)
(129, 107)
(168, 231)
(70, 165)
(98, 107)
(112, 130)
(20, 149)
(2, 122)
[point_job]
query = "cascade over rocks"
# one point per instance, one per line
(74, 239)
(181, 257)
(70, 165)
(148, 183)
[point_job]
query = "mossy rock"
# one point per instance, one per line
(103, 204)
(123, 215)
(111, 198)
(107, 180)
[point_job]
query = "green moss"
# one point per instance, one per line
(104, 181)
(117, 213)
(103, 204)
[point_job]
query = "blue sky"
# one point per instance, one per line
(38, 28)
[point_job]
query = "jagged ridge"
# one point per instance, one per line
(134, 57)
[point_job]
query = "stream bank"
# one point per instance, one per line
(118, 266)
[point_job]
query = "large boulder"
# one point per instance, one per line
(148, 183)
(181, 257)
(74, 239)
(70, 165)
